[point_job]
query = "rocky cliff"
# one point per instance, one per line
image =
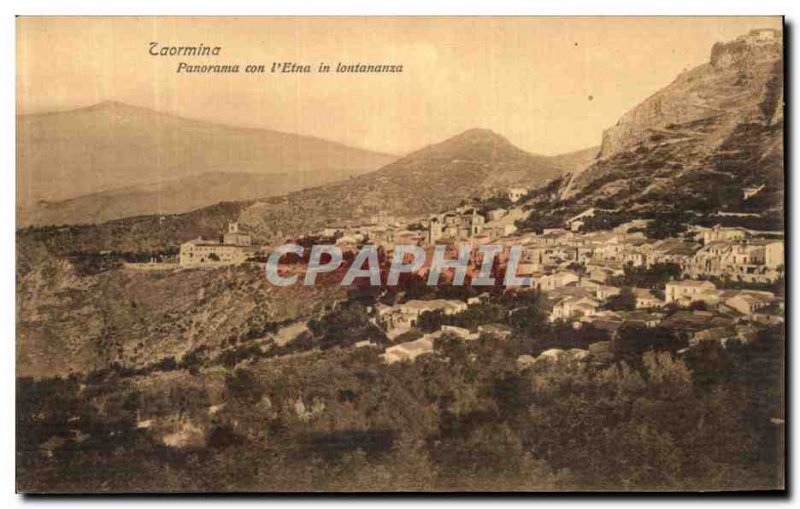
(730, 84)
(714, 129)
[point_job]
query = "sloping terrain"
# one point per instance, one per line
(72, 323)
(156, 234)
(698, 142)
(477, 162)
(577, 161)
(175, 196)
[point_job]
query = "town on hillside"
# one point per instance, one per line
(515, 266)
(713, 283)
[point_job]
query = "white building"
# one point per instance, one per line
(234, 237)
(452, 226)
(688, 290)
(558, 280)
(720, 233)
(748, 302)
(570, 308)
(408, 351)
(773, 254)
(207, 252)
(645, 298)
(405, 315)
(495, 214)
(235, 248)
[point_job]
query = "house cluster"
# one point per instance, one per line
(232, 248)
(583, 302)
(410, 350)
(463, 224)
(466, 224)
(719, 252)
(381, 230)
(579, 273)
(585, 299)
(731, 253)
(401, 318)
(577, 270)
(750, 303)
(460, 225)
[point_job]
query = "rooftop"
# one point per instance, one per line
(691, 283)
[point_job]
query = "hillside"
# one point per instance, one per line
(477, 162)
(699, 141)
(174, 196)
(112, 146)
(68, 322)
(146, 235)
(576, 161)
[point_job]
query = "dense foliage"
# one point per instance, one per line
(465, 417)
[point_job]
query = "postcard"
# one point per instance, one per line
(400, 254)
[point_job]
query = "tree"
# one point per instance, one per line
(344, 326)
(632, 341)
(624, 301)
(244, 387)
(664, 226)
(698, 305)
(655, 276)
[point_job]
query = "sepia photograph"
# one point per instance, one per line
(400, 254)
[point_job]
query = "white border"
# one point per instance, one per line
(789, 8)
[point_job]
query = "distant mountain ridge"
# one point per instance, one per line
(111, 146)
(393, 189)
(477, 162)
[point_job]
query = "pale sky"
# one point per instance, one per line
(528, 79)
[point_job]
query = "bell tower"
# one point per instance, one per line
(235, 238)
